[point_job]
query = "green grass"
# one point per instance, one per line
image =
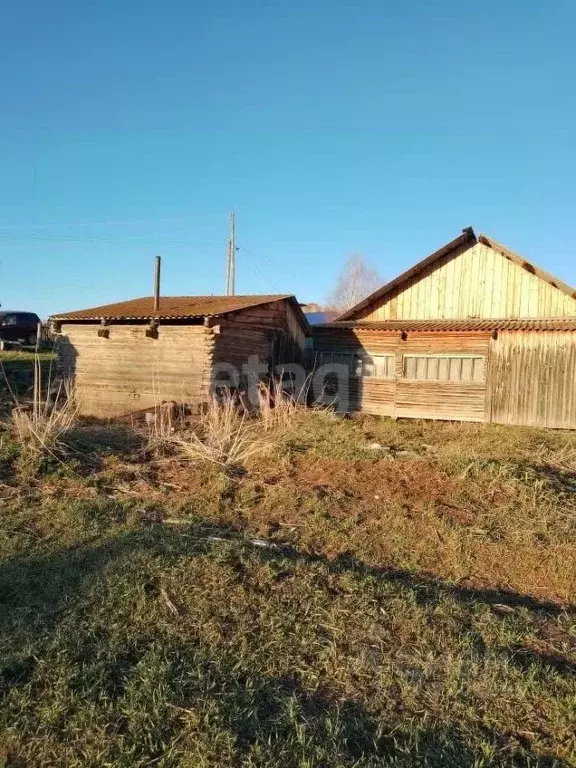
(25, 356)
(408, 610)
(17, 373)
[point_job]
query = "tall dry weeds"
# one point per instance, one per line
(221, 435)
(226, 432)
(41, 427)
(278, 408)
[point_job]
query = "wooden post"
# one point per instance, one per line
(157, 284)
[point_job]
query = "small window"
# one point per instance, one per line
(333, 358)
(360, 363)
(444, 367)
(375, 366)
(10, 320)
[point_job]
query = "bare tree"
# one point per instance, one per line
(357, 280)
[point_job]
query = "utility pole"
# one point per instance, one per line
(231, 272)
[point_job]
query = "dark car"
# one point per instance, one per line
(19, 326)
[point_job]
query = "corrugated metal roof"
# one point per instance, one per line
(171, 307)
(467, 324)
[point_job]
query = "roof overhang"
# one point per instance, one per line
(464, 325)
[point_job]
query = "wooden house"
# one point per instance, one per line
(129, 356)
(474, 332)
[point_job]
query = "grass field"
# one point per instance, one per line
(329, 603)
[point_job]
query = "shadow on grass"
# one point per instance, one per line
(94, 440)
(265, 712)
(275, 710)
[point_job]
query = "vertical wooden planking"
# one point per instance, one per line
(421, 368)
(450, 288)
(467, 367)
(524, 294)
(498, 284)
(410, 367)
(532, 378)
(392, 306)
(475, 282)
(488, 283)
(533, 300)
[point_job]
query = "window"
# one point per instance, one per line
(444, 367)
(376, 366)
(360, 363)
(10, 320)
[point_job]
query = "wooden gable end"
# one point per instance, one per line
(474, 280)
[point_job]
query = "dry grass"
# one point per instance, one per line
(50, 418)
(222, 435)
(333, 605)
(277, 408)
(225, 432)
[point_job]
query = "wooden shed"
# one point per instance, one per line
(474, 332)
(129, 357)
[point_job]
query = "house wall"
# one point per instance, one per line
(532, 379)
(128, 371)
(402, 395)
(474, 281)
(528, 377)
(272, 332)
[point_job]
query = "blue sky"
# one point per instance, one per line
(132, 128)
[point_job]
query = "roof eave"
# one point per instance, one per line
(75, 318)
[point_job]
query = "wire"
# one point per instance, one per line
(116, 222)
(260, 256)
(257, 268)
(136, 240)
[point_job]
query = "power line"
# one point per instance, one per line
(257, 269)
(116, 222)
(136, 240)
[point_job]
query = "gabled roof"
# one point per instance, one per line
(466, 238)
(174, 308)
(522, 262)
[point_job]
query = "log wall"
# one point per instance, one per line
(270, 332)
(128, 371)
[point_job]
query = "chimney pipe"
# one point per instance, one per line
(157, 284)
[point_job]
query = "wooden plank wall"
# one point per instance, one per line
(400, 397)
(532, 379)
(475, 281)
(270, 331)
(443, 400)
(128, 371)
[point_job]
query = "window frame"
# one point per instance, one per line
(356, 362)
(445, 356)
